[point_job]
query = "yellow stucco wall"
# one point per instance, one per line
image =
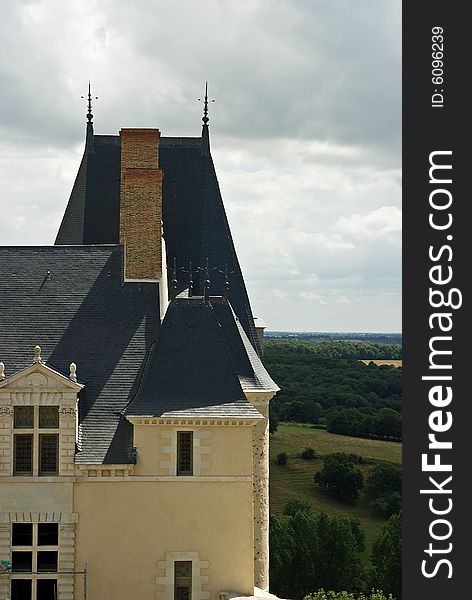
(228, 450)
(129, 529)
(126, 528)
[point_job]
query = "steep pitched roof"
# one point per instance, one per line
(195, 367)
(73, 303)
(195, 223)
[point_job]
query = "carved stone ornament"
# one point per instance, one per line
(67, 411)
(6, 410)
(36, 380)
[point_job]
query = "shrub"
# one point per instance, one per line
(308, 454)
(282, 458)
(322, 595)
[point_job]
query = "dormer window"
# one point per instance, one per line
(36, 452)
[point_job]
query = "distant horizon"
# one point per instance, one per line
(356, 332)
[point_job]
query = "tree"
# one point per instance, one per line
(388, 423)
(339, 477)
(273, 421)
(387, 557)
(384, 478)
(387, 504)
(311, 551)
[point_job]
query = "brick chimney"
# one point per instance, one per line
(141, 205)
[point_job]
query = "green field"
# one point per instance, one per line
(379, 363)
(295, 479)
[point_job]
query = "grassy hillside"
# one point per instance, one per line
(296, 478)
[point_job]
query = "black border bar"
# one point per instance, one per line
(436, 130)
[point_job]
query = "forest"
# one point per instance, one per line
(326, 384)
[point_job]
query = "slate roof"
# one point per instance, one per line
(81, 312)
(194, 369)
(195, 223)
(71, 300)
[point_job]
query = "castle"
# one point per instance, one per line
(133, 400)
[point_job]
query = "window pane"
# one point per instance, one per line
(47, 562)
(47, 534)
(22, 534)
(49, 416)
(47, 589)
(20, 589)
(48, 450)
(23, 417)
(182, 580)
(22, 562)
(184, 452)
(23, 454)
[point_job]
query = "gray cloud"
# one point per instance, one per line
(305, 132)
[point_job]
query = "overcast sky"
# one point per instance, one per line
(305, 132)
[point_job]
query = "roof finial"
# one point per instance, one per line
(205, 119)
(190, 280)
(89, 139)
(37, 354)
(226, 289)
(89, 104)
(173, 287)
(2, 371)
(73, 372)
(206, 286)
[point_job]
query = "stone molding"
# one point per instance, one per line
(105, 471)
(190, 422)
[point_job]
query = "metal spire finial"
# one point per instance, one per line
(206, 290)
(205, 106)
(174, 281)
(89, 104)
(205, 117)
(190, 280)
(226, 289)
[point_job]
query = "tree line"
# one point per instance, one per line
(327, 384)
(310, 553)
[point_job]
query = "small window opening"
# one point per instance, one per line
(22, 562)
(185, 453)
(48, 451)
(22, 534)
(21, 589)
(183, 580)
(46, 589)
(48, 534)
(47, 562)
(23, 417)
(49, 417)
(23, 454)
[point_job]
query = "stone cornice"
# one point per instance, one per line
(205, 422)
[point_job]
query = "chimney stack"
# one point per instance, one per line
(141, 205)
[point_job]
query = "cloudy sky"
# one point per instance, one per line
(305, 132)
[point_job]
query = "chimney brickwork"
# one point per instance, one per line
(141, 204)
